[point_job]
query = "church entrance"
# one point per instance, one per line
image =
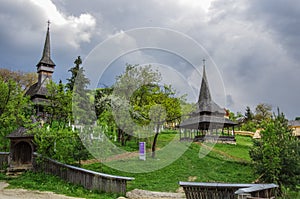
(22, 153)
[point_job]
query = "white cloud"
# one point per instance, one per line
(73, 30)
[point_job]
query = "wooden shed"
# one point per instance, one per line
(21, 150)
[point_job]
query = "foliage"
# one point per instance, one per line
(15, 110)
(24, 80)
(249, 126)
(60, 143)
(135, 101)
(276, 156)
(253, 121)
(74, 71)
(248, 114)
(82, 100)
(56, 138)
(59, 107)
(263, 112)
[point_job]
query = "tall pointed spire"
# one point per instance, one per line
(46, 59)
(204, 95)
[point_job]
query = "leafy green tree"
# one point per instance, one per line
(15, 110)
(60, 143)
(263, 112)
(129, 97)
(59, 107)
(276, 156)
(140, 101)
(25, 80)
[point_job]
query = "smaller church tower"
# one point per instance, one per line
(45, 69)
(21, 143)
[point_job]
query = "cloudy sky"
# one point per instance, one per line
(251, 47)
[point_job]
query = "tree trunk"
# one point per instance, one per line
(154, 144)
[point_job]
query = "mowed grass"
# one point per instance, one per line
(214, 167)
(240, 151)
(225, 163)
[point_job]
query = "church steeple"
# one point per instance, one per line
(46, 58)
(205, 103)
(45, 67)
(204, 95)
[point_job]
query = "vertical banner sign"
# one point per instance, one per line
(142, 150)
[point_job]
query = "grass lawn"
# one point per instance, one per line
(240, 151)
(214, 167)
(224, 163)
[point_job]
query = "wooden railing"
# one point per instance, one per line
(3, 160)
(88, 179)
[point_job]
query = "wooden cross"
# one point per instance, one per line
(48, 23)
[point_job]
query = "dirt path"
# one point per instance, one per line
(116, 157)
(28, 194)
(223, 153)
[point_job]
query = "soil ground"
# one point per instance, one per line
(28, 194)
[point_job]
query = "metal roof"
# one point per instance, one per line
(255, 187)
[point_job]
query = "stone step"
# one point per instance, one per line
(18, 170)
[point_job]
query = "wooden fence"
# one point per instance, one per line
(3, 160)
(88, 179)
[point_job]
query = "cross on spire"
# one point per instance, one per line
(48, 22)
(203, 62)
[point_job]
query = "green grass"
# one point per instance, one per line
(225, 163)
(240, 151)
(45, 182)
(212, 168)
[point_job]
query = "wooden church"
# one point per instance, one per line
(209, 121)
(21, 143)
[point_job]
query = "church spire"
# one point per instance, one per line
(46, 59)
(204, 95)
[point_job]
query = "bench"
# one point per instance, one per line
(202, 190)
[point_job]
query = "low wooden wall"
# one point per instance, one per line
(88, 179)
(3, 160)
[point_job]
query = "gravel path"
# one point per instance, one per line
(28, 194)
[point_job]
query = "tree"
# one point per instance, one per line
(248, 114)
(60, 143)
(263, 112)
(129, 98)
(59, 106)
(139, 102)
(25, 80)
(276, 156)
(74, 71)
(15, 109)
(57, 139)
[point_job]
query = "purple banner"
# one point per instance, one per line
(142, 150)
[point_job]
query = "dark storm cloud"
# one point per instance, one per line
(282, 18)
(255, 44)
